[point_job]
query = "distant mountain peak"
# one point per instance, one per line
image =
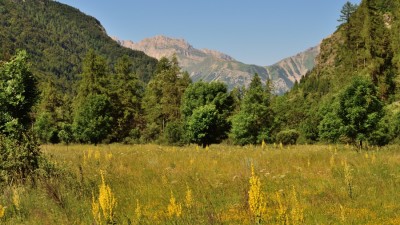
(161, 41)
(218, 54)
(210, 65)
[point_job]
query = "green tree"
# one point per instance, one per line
(360, 110)
(93, 121)
(329, 127)
(287, 137)
(92, 111)
(347, 10)
(126, 96)
(253, 123)
(196, 97)
(207, 126)
(18, 93)
(19, 152)
(51, 112)
(162, 98)
(46, 129)
(93, 78)
(202, 93)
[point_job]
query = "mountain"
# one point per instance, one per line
(287, 71)
(365, 47)
(209, 65)
(57, 37)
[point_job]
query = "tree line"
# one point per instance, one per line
(350, 97)
(114, 105)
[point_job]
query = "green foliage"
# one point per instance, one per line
(202, 93)
(162, 98)
(202, 105)
(151, 133)
(19, 158)
(126, 94)
(174, 133)
(329, 127)
(45, 129)
(287, 137)
(207, 126)
(52, 112)
(57, 37)
(66, 134)
(360, 110)
(365, 45)
(93, 79)
(93, 121)
(255, 117)
(18, 93)
(347, 10)
(396, 127)
(19, 153)
(243, 129)
(381, 135)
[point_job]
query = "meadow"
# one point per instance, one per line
(151, 184)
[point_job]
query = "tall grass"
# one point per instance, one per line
(186, 185)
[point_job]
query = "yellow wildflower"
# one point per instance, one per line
(256, 197)
(174, 209)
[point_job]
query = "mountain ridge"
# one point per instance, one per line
(211, 65)
(57, 38)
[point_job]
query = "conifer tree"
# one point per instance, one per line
(126, 94)
(162, 98)
(92, 111)
(347, 10)
(253, 123)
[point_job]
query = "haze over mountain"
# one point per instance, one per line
(210, 65)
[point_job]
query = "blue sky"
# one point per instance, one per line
(255, 32)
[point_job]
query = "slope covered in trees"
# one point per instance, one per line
(364, 51)
(57, 37)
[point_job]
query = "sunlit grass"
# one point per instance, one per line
(313, 180)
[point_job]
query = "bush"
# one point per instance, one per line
(66, 135)
(173, 133)
(287, 137)
(19, 158)
(151, 133)
(93, 122)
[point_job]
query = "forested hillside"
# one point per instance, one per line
(364, 53)
(57, 37)
(90, 90)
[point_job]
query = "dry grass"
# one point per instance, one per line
(313, 180)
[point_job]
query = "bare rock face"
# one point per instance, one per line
(209, 65)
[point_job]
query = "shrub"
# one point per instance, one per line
(287, 137)
(19, 158)
(173, 133)
(93, 121)
(65, 135)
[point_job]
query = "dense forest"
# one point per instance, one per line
(90, 90)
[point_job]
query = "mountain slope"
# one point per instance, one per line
(57, 37)
(210, 65)
(367, 47)
(292, 69)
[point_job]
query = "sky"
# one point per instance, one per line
(260, 32)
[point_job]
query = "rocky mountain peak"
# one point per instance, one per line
(218, 55)
(210, 65)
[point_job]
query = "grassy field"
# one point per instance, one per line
(150, 184)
